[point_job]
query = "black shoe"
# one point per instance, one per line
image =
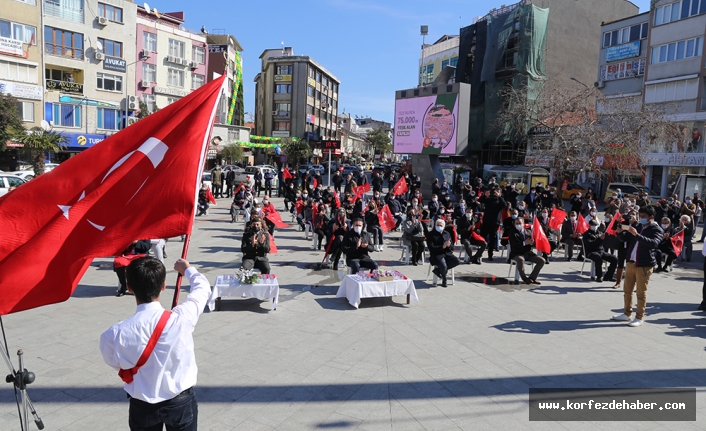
(490, 258)
(534, 281)
(443, 284)
(701, 240)
(120, 293)
(436, 272)
(476, 261)
(580, 257)
(414, 263)
(702, 306)
(568, 259)
(525, 279)
(599, 279)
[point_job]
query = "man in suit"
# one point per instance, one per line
(441, 255)
(531, 199)
(521, 243)
(356, 246)
(255, 246)
(569, 236)
(593, 242)
(466, 227)
(548, 231)
(493, 204)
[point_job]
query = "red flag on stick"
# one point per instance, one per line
(275, 218)
(611, 229)
(273, 246)
(286, 174)
(557, 218)
(119, 190)
(387, 222)
(400, 188)
(581, 225)
(209, 196)
(315, 182)
(337, 199)
(477, 237)
(678, 242)
(361, 190)
(541, 243)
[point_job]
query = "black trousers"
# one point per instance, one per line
(320, 233)
(598, 257)
(261, 263)
(490, 233)
(417, 249)
(356, 264)
(671, 257)
(444, 262)
(467, 243)
(229, 190)
(376, 232)
(703, 289)
(178, 414)
(120, 272)
(268, 189)
(217, 190)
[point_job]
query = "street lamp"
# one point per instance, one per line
(126, 86)
(576, 80)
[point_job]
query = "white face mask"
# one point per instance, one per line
(665, 226)
(469, 216)
(545, 215)
(593, 214)
(439, 229)
(518, 227)
(442, 211)
(594, 228)
(521, 208)
(358, 229)
(573, 218)
(607, 220)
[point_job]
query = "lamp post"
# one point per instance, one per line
(576, 80)
(127, 78)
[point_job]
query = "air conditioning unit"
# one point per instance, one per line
(275, 112)
(131, 103)
(184, 62)
(599, 84)
(103, 20)
(193, 65)
(144, 84)
(99, 56)
(146, 53)
(172, 59)
(132, 120)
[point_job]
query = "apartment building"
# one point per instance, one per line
(435, 57)
(225, 56)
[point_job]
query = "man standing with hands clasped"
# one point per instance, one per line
(154, 349)
(642, 243)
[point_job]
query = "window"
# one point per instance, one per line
(684, 89)
(70, 10)
(679, 10)
(111, 48)
(324, 81)
(318, 95)
(177, 49)
(312, 73)
(283, 107)
(310, 91)
(65, 115)
(29, 2)
(309, 109)
(625, 35)
(677, 50)
(233, 135)
(149, 72)
(19, 32)
(111, 12)
(430, 73)
(281, 125)
(198, 54)
(18, 72)
(26, 111)
(171, 100)
(453, 62)
(444, 63)
(63, 43)
(108, 119)
(109, 82)
(283, 88)
(149, 41)
(197, 80)
(284, 70)
(703, 96)
(318, 76)
(175, 77)
(151, 101)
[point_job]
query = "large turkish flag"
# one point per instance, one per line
(140, 183)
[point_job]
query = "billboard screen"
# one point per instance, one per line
(427, 124)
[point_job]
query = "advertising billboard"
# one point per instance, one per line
(426, 125)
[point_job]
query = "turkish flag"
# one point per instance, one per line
(315, 182)
(387, 222)
(557, 218)
(209, 196)
(611, 229)
(314, 214)
(299, 205)
(541, 243)
(273, 246)
(581, 225)
(286, 174)
(275, 218)
(122, 189)
(240, 187)
(678, 242)
(477, 237)
(361, 190)
(400, 188)
(337, 199)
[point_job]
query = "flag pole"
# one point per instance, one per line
(177, 288)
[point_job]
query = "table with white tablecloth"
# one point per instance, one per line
(355, 287)
(228, 286)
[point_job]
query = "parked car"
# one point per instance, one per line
(334, 166)
(318, 168)
(347, 169)
(305, 168)
(379, 169)
(571, 190)
(241, 176)
(9, 180)
(629, 191)
(28, 174)
(206, 179)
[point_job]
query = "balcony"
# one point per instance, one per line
(61, 9)
(63, 51)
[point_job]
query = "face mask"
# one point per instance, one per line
(607, 220)
(377, 196)
(291, 187)
(665, 226)
(593, 214)
(439, 229)
(514, 216)
(521, 208)
(435, 199)
(594, 228)
(545, 215)
(469, 216)
(518, 227)
(358, 229)
(670, 202)
(644, 221)
(532, 192)
(572, 218)
(442, 211)
(305, 196)
(688, 201)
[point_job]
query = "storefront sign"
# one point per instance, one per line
(169, 91)
(283, 78)
(21, 91)
(675, 159)
(217, 48)
(625, 69)
(283, 114)
(65, 86)
(311, 82)
(115, 64)
(538, 161)
(281, 134)
(620, 52)
(82, 140)
(11, 46)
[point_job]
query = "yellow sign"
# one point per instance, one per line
(312, 82)
(81, 140)
(283, 78)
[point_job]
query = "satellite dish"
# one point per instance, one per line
(45, 125)
(147, 8)
(99, 45)
(156, 13)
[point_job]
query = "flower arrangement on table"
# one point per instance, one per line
(248, 277)
(383, 275)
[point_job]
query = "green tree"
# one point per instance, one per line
(232, 154)
(145, 110)
(38, 141)
(380, 140)
(295, 150)
(9, 118)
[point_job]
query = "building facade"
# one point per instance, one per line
(21, 72)
(88, 46)
(173, 60)
(435, 57)
(225, 56)
(295, 97)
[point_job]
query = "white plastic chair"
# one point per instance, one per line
(435, 280)
(517, 270)
(308, 229)
(406, 256)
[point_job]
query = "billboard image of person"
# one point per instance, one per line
(426, 125)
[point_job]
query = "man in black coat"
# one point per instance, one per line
(337, 180)
(356, 246)
(434, 207)
(642, 243)
(593, 244)
(255, 246)
(377, 182)
(569, 234)
(532, 199)
(493, 204)
(441, 255)
(230, 180)
(466, 227)
(521, 243)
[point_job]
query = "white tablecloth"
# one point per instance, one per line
(228, 286)
(354, 287)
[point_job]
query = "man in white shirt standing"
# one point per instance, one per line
(153, 350)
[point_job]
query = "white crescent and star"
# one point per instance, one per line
(153, 148)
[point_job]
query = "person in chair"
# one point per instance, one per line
(356, 246)
(441, 255)
(521, 243)
(255, 246)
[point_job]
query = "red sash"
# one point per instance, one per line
(126, 375)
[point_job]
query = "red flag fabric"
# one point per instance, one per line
(299, 205)
(477, 237)
(611, 229)
(400, 188)
(286, 174)
(273, 246)
(678, 242)
(209, 196)
(557, 218)
(275, 218)
(314, 214)
(338, 200)
(124, 260)
(387, 221)
(541, 243)
(361, 190)
(453, 229)
(240, 187)
(581, 225)
(101, 200)
(315, 182)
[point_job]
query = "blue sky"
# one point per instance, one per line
(372, 46)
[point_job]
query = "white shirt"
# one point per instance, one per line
(171, 369)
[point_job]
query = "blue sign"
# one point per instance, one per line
(82, 140)
(620, 52)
